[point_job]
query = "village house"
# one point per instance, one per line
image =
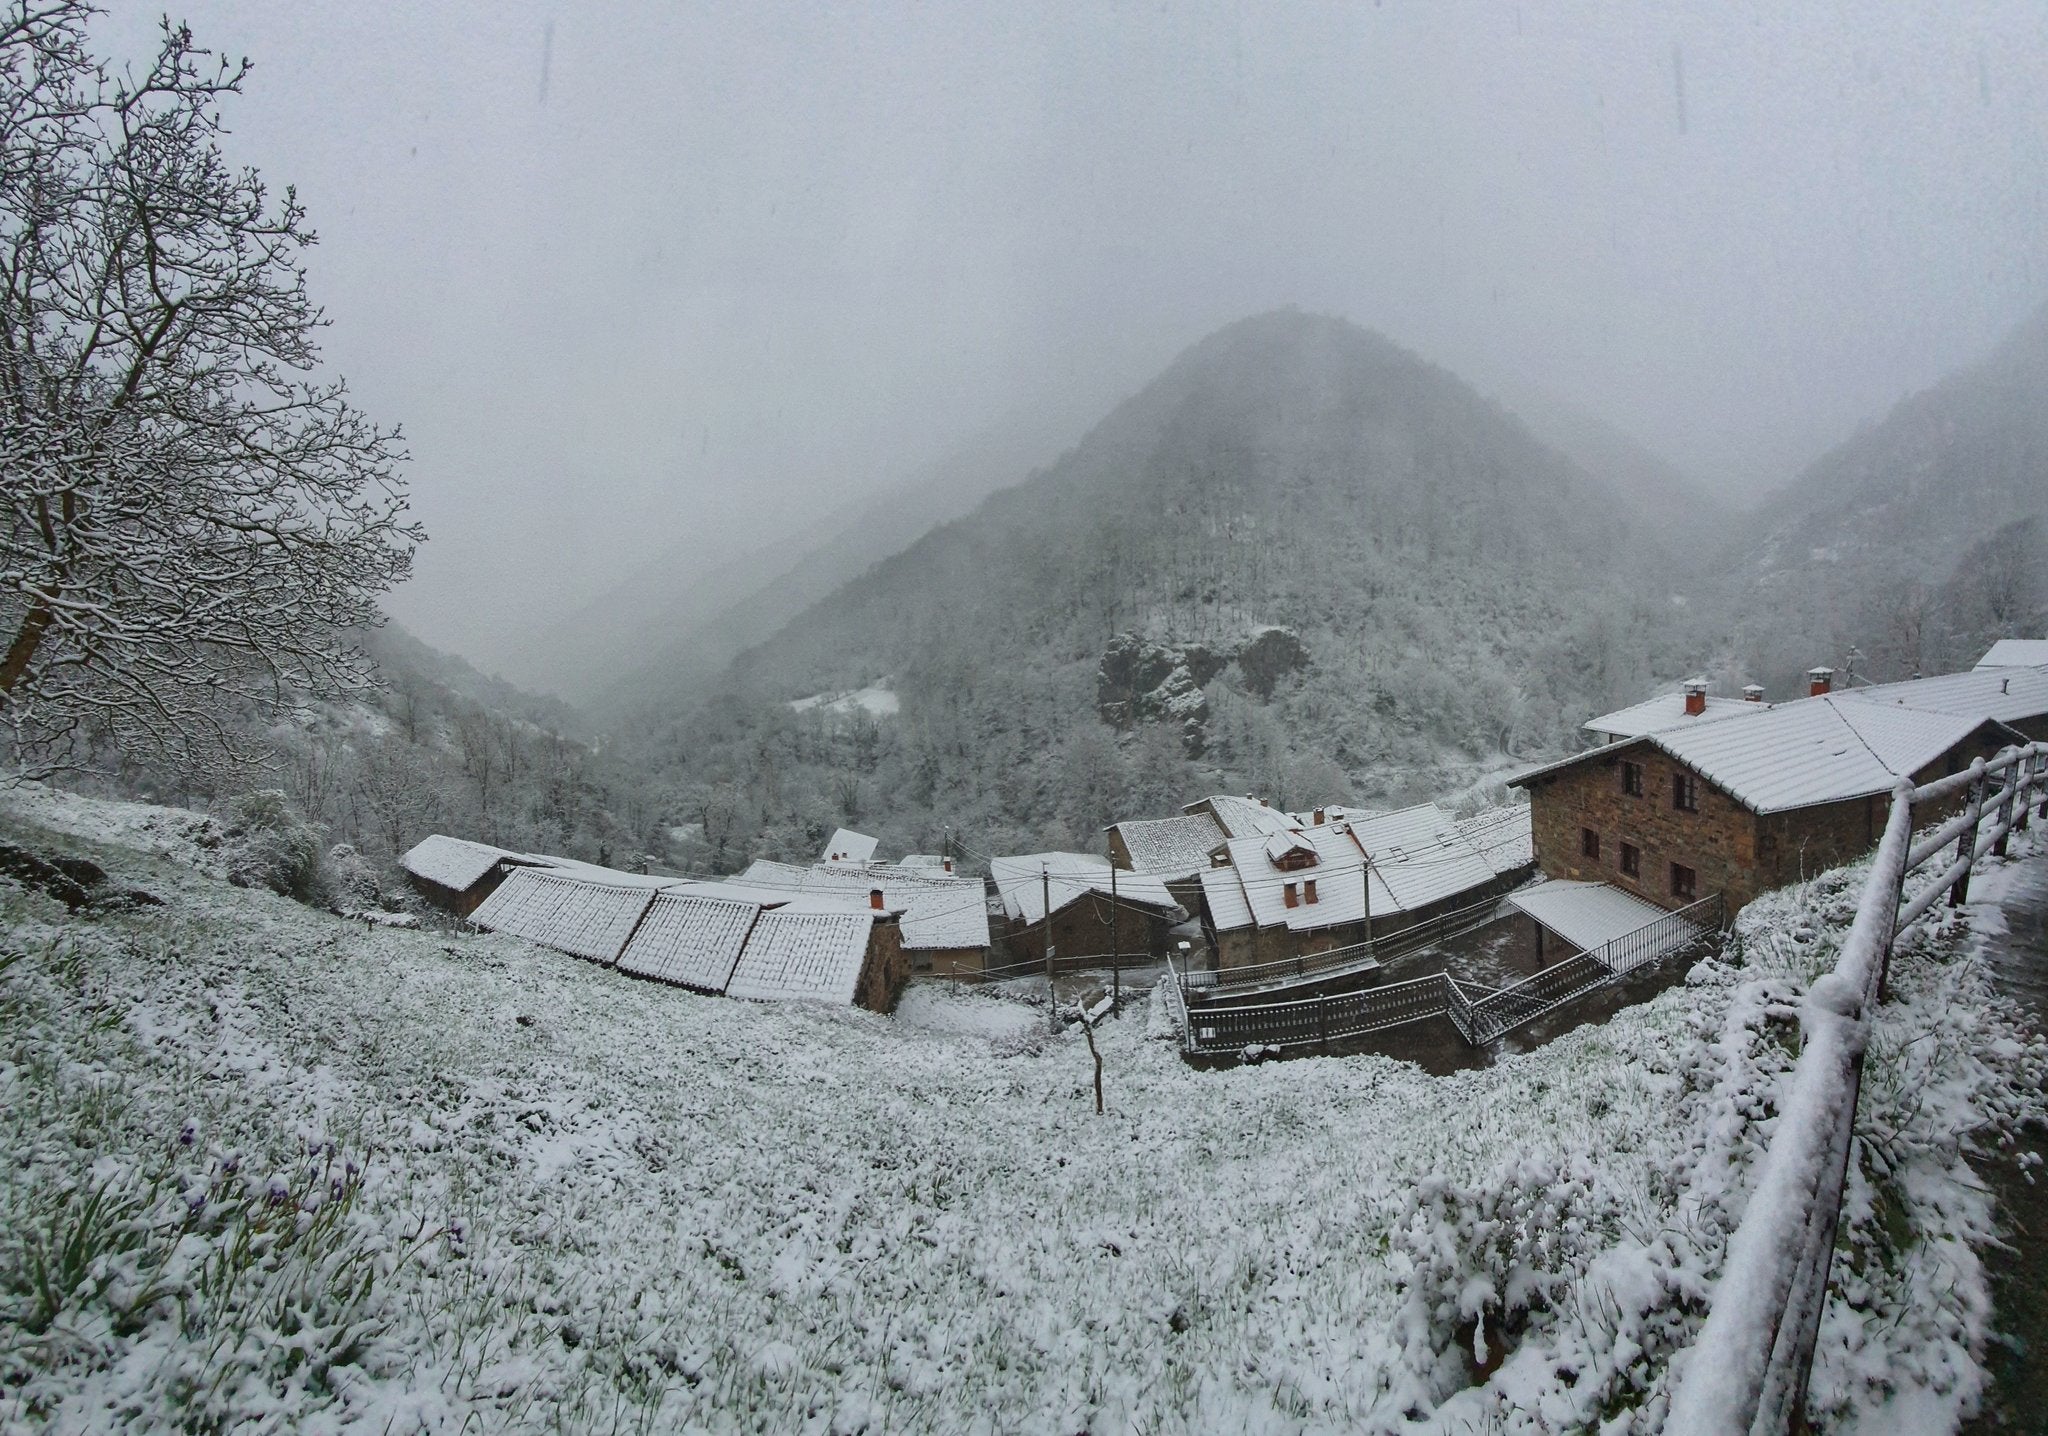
(1753, 799)
(1175, 850)
(1094, 911)
(2016, 653)
(1689, 705)
(942, 917)
(1304, 888)
(455, 875)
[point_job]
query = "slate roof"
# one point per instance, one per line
(940, 911)
(689, 940)
(1813, 750)
(1503, 837)
(2015, 652)
(455, 863)
(1585, 914)
(1667, 710)
(585, 919)
(1242, 817)
(1171, 848)
(847, 846)
(2008, 694)
(1074, 876)
(802, 956)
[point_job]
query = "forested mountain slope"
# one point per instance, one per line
(1913, 540)
(1455, 594)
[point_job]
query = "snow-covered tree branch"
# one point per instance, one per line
(193, 516)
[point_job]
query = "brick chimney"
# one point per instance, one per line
(1308, 890)
(948, 862)
(875, 899)
(1752, 693)
(1318, 823)
(1695, 697)
(1819, 681)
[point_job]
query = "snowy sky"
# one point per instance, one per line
(643, 274)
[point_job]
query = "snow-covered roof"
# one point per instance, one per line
(1242, 817)
(691, 940)
(1223, 891)
(1072, 877)
(1667, 710)
(2015, 653)
(585, 919)
(927, 862)
(939, 910)
(847, 846)
(1171, 848)
(803, 956)
(2007, 694)
(1502, 836)
(1585, 914)
(1422, 856)
(455, 863)
(1813, 750)
(1337, 873)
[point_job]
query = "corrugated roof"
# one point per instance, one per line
(1667, 710)
(2015, 652)
(1585, 914)
(455, 863)
(690, 940)
(805, 956)
(585, 919)
(1171, 848)
(847, 846)
(1073, 876)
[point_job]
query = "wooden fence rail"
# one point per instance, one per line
(1747, 1372)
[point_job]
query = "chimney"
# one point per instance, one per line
(1695, 697)
(1290, 896)
(1819, 681)
(1318, 823)
(1752, 693)
(875, 899)
(948, 864)
(1308, 890)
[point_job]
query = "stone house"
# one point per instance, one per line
(1093, 911)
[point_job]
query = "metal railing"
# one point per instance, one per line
(1357, 956)
(1747, 1372)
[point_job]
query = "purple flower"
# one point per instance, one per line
(189, 1133)
(278, 1192)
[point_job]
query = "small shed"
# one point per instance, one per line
(821, 957)
(455, 874)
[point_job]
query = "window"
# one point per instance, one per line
(1631, 861)
(1685, 883)
(1685, 792)
(1632, 779)
(1589, 844)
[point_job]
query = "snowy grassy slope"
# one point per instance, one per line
(267, 1167)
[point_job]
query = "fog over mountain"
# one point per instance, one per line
(653, 279)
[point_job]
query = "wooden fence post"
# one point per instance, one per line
(2005, 806)
(2023, 789)
(1966, 845)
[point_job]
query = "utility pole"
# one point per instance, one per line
(1365, 881)
(1116, 969)
(1052, 1005)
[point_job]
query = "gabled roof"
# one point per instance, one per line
(802, 956)
(939, 910)
(1585, 915)
(1072, 876)
(585, 919)
(2007, 694)
(2015, 652)
(847, 846)
(1242, 817)
(1171, 848)
(456, 863)
(1421, 856)
(690, 940)
(1667, 710)
(1338, 875)
(1795, 755)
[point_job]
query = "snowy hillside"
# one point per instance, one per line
(268, 1168)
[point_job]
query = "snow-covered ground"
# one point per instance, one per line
(877, 700)
(271, 1169)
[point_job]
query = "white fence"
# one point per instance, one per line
(1747, 1372)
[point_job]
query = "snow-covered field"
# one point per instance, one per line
(269, 1169)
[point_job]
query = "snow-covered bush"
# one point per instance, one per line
(351, 880)
(270, 846)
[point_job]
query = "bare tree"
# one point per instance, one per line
(191, 520)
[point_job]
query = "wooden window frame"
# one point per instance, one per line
(1589, 844)
(1685, 792)
(1689, 889)
(1631, 861)
(1631, 779)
